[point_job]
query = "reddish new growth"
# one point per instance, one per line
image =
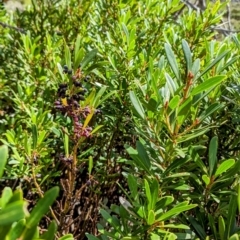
(68, 103)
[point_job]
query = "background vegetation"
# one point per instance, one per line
(121, 118)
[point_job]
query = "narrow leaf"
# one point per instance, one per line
(137, 104)
(221, 227)
(187, 55)
(42, 207)
(172, 60)
(209, 83)
(151, 217)
(224, 166)
(88, 58)
(212, 155)
(3, 158)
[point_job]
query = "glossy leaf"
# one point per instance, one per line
(17, 230)
(132, 184)
(91, 237)
(232, 208)
(13, 212)
(187, 55)
(234, 237)
(224, 166)
(221, 228)
(208, 84)
(90, 55)
(42, 207)
(175, 211)
(137, 104)
(6, 196)
(151, 217)
(212, 155)
(172, 60)
(148, 194)
(67, 237)
(3, 158)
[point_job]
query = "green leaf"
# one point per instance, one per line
(17, 230)
(198, 228)
(66, 237)
(42, 207)
(174, 102)
(34, 135)
(90, 165)
(138, 161)
(17, 195)
(187, 55)
(137, 104)
(178, 226)
(164, 201)
(221, 228)
(148, 194)
(3, 158)
(6, 196)
(151, 217)
(67, 56)
(88, 58)
(91, 237)
(234, 237)
(50, 234)
(238, 198)
(98, 96)
(210, 110)
(212, 155)
(206, 179)
(128, 238)
(155, 192)
(78, 58)
(96, 129)
(13, 212)
(66, 141)
(171, 85)
(208, 84)
(175, 211)
(213, 63)
(143, 155)
(132, 184)
(213, 225)
(172, 60)
(232, 209)
(224, 166)
(113, 221)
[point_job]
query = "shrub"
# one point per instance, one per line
(127, 106)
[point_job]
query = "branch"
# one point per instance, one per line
(21, 30)
(223, 30)
(191, 5)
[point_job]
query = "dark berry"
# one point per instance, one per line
(65, 67)
(63, 85)
(77, 84)
(82, 92)
(81, 97)
(70, 71)
(75, 97)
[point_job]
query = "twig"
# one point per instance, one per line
(225, 30)
(12, 27)
(229, 16)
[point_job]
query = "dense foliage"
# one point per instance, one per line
(131, 108)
